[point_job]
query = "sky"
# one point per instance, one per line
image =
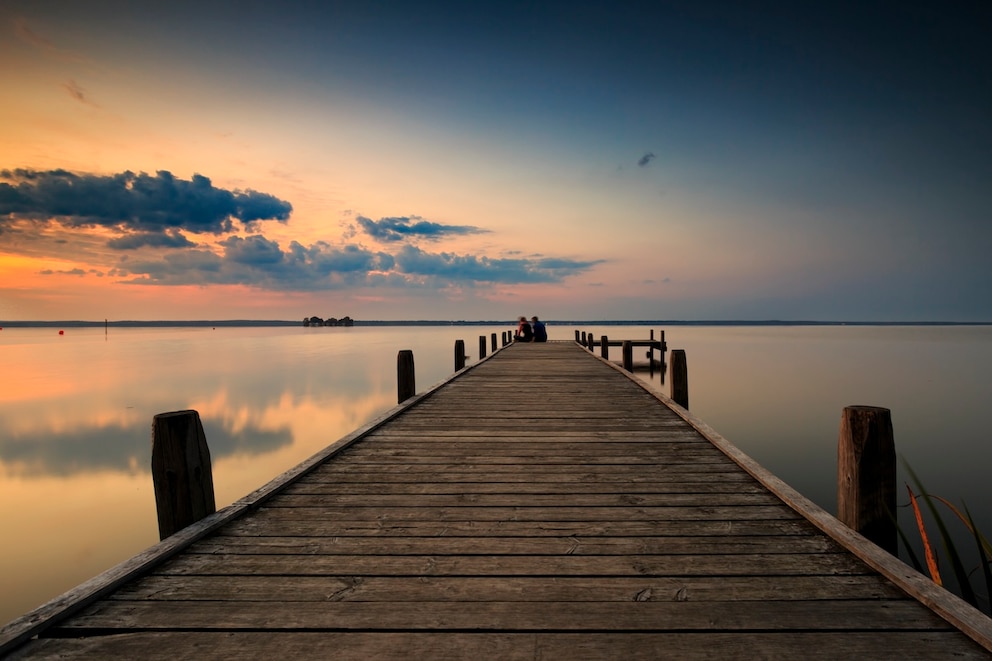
(486, 160)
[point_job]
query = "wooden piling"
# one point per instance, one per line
(482, 347)
(576, 334)
(604, 347)
(406, 383)
(590, 341)
(866, 474)
(181, 472)
(628, 355)
(492, 341)
(678, 375)
(459, 354)
(583, 338)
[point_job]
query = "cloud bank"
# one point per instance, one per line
(127, 202)
(149, 216)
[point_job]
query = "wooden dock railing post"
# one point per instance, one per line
(493, 342)
(482, 347)
(406, 382)
(628, 355)
(576, 334)
(604, 347)
(583, 343)
(459, 354)
(866, 474)
(679, 377)
(181, 472)
(590, 340)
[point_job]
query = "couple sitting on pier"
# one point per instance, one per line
(534, 331)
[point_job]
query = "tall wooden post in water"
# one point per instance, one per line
(866, 474)
(679, 376)
(181, 472)
(406, 382)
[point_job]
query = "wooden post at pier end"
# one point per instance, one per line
(678, 373)
(866, 474)
(628, 355)
(459, 354)
(590, 340)
(576, 334)
(583, 342)
(604, 347)
(181, 473)
(492, 339)
(482, 347)
(406, 382)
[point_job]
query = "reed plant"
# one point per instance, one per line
(962, 575)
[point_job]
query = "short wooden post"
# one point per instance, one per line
(628, 356)
(591, 340)
(866, 474)
(181, 473)
(583, 338)
(482, 347)
(664, 347)
(406, 382)
(604, 347)
(679, 378)
(576, 334)
(493, 342)
(459, 354)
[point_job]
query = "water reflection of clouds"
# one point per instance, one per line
(124, 448)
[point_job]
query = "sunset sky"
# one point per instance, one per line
(485, 160)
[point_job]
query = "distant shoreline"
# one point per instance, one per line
(248, 323)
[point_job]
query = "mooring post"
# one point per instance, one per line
(628, 355)
(604, 347)
(181, 473)
(576, 334)
(406, 382)
(866, 474)
(459, 354)
(482, 347)
(664, 347)
(590, 340)
(679, 378)
(493, 341)
(583, 343)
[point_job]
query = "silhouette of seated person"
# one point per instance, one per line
(524, 332)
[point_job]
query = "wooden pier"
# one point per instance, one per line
(540, 504)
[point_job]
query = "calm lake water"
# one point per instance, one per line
(75, 415)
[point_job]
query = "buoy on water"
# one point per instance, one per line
(61, 332)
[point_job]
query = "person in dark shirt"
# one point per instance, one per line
(540, 332)
(524, 332)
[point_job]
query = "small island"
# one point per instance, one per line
(331, 321)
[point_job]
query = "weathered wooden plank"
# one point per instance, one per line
(544, 545)
(526, 500)
(765, 564)
(580, 646)
(271, 522)
(538, 589)
(561, 489)
(540, 514)
(675, 616)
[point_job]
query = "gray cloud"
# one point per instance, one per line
(259, 262)
(406, 227)
(133, 202)
(167, 239)
(646, 159)
(77, 92)
(470, 268)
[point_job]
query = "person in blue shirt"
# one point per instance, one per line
(540, 332)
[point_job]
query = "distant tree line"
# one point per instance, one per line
(332, 321)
